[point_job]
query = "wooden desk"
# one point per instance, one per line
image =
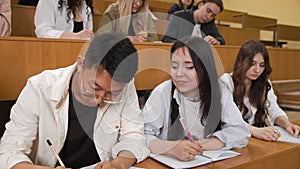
(237, 36)
(228, 16)
(25, 56)
(286, 32)
(257, 154)
(256, 22)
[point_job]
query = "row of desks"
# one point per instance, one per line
(22, 57)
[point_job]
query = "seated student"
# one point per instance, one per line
(131, 17)
(71, 19)
(193, 93)
(253, 94)
(181, 5)
(88, 110)
(5, 18)
(199, 22)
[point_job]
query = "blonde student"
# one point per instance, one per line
(131, 17)
(253, 93)
(195, 95)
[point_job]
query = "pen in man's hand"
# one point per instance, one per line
(56, 155)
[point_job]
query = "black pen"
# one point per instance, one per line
(54, 152)
(205, 156)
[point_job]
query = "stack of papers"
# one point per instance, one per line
(209, 157)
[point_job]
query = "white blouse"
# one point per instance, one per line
(234, 131)
(50, 22)
(273, 108)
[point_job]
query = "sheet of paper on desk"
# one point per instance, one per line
(94, 165)
(199, 160)
(286, 137)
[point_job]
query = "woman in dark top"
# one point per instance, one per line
(70, 19)
(181, 5)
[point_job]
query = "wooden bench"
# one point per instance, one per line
(288, 93)
(22, 20)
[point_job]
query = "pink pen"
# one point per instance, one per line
(189, 135)
(85, 23)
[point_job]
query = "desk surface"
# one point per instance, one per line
(257, 154)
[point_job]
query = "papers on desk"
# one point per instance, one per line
(94, 165)
(286, 137)
(214, 155)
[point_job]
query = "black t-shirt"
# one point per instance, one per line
(78, 26)
(79, 149)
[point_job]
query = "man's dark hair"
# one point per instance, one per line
(115, 53)
(219, 3)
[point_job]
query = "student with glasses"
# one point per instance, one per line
(198, 22)
(89, 111)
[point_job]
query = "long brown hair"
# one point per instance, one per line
(73, 5)
(182, 6)
(259, 88)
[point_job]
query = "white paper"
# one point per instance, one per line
(94, 165)
(214, 155)
(90, 166)
(286, 137)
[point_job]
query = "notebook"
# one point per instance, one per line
(209, 157)
(286, 137)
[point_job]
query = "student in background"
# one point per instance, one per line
(253, 93)
(64, 19)
(88, 110)
(194, 94)
(199, 22)
(131, 17)
(5, 18)
(181, 5)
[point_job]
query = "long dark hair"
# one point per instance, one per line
(259, 88)
(208, 87)
(73, 5)
(188, 7)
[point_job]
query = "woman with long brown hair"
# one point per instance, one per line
(253, 93)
